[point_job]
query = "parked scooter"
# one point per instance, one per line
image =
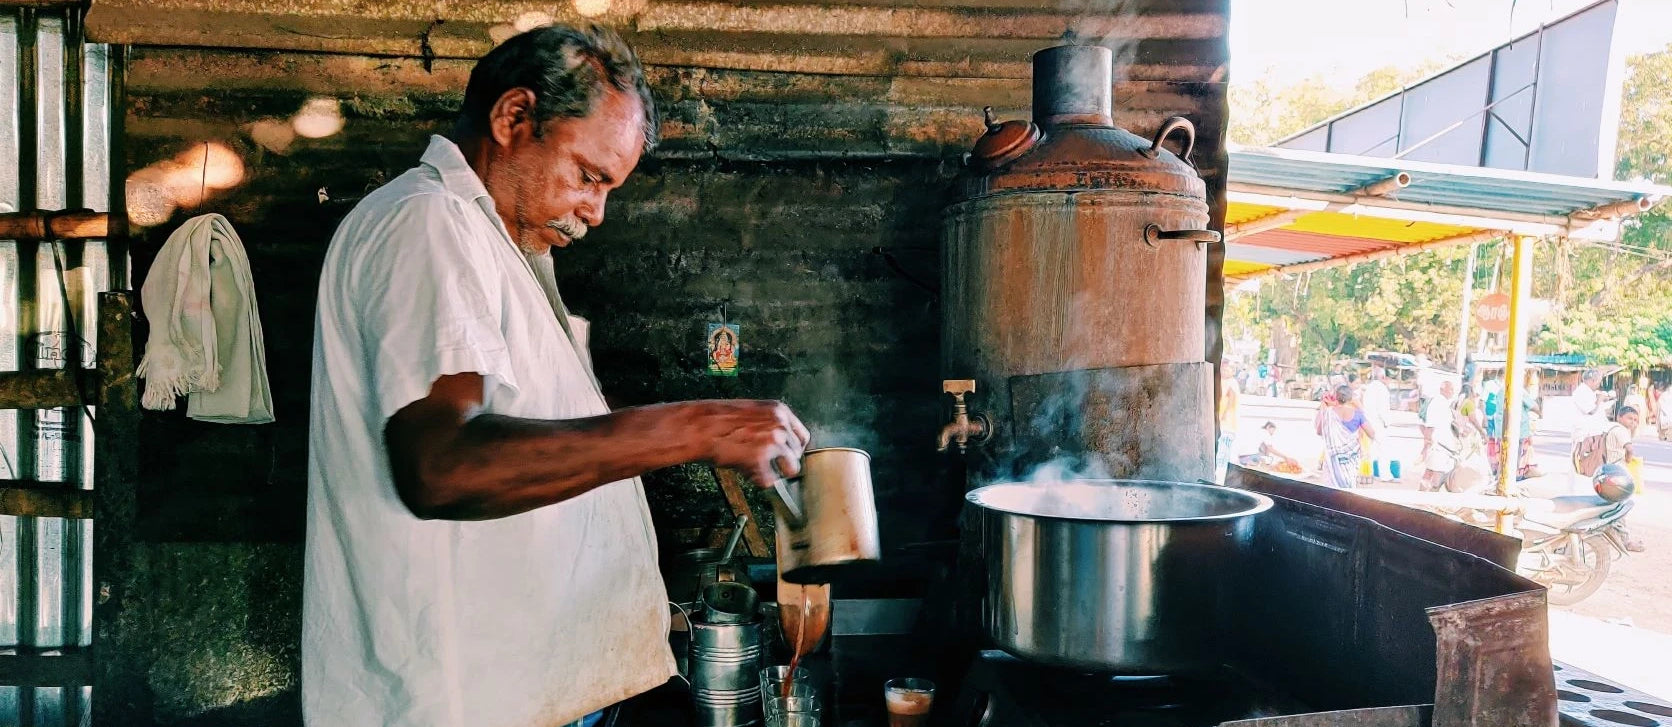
(1568, 541)
(1569, 545)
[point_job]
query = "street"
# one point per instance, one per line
(1623, 630)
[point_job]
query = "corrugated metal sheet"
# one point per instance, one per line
(56, 148)
(1267, 256)
(1320, 246)
(1237, 213)
(1375, 228)
(1438, 184)
(1239, 268)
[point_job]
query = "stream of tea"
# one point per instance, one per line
(800, 648)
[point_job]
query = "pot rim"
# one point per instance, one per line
(817, 450)
(1259, 503)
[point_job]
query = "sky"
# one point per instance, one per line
(1342, 40)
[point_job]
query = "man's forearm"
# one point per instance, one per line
(494, 465)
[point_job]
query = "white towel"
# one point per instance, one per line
(205, 330)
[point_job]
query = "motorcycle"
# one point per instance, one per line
(1569, 546)
(1569, 542)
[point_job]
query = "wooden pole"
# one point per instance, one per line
(64, 225)
(1468, 303)
(1515, 367)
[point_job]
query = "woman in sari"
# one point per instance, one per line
(1339, 422)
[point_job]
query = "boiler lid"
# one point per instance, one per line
(1084, 157)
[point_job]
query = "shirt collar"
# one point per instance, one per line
(456, 175)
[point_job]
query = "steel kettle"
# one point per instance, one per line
(827, 516)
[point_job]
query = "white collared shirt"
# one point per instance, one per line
(534, 619)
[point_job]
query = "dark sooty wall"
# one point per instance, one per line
(796, 251)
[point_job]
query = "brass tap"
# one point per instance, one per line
(964, 427)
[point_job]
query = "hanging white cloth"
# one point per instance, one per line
(205, 341)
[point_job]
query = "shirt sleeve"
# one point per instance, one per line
(426, 311)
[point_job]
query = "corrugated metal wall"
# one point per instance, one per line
(54, 154)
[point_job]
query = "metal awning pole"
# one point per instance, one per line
(1515, 368)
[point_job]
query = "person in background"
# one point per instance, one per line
(1532, 409)
(1588, 403)
(1228, 413)
(1635, 398)
(1618, 448)
(1377, 402)
(1663, 413)
(1440, 445)
(1428, 384)
(1470, 411)
(1339, 422)
(1267, 453)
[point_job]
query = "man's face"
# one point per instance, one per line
(1446, 389)
(551, 188)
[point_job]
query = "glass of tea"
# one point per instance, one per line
(908, 701)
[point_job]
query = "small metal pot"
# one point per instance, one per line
(693, 570)
(1113, 575)
(729, 603)
(827, 517)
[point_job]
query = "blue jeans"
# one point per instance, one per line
(589, 720)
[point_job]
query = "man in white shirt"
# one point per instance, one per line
(479, 551)
(1588, 403)
(1439, 442)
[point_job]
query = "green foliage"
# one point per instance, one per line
(1613, 304)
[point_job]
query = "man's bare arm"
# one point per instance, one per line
(450, 461)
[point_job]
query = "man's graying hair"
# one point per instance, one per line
(566, 68)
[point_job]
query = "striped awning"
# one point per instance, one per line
(1292, 211)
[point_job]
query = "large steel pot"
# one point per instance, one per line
(1126, 576)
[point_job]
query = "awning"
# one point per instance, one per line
(1293, 211)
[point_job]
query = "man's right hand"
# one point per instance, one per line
(763, 439)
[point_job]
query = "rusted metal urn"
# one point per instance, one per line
(1074, 286)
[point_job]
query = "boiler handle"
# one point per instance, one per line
(1153, 234)
(1174, 124)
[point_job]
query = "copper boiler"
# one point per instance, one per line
(1074, 283)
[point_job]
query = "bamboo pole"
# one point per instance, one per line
(42, 225)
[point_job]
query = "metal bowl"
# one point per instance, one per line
(1127, 576)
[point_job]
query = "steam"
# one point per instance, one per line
(836, 409)
(1113, 24)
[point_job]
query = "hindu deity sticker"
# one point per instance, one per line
(722, 349)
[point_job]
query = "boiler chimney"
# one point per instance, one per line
(1072, 84)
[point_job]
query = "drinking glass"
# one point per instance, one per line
(908, 701)
(773, 678)
(791, 712)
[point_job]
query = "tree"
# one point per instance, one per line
(1612, 303)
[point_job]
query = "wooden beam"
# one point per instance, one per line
(46, 668)
(43, 225)
(28, 498)
(43, 4)
(47, 389)
(733, 487)
(119, 676)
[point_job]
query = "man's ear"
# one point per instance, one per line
(512, 117)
